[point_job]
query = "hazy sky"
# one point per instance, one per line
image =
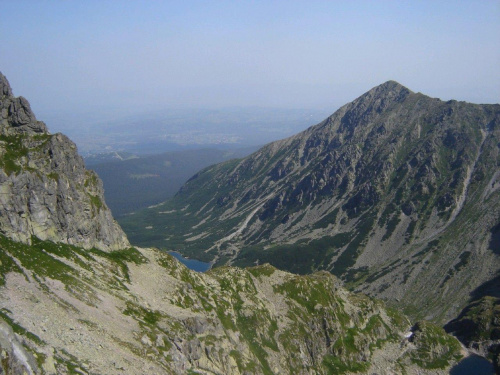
(142, 55)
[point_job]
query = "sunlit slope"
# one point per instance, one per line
(397, 193)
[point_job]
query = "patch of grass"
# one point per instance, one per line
(20, 330)
(302, 257)
(90, 179)
(431, 246)
(53, 175)
(310, 291)
(246, 326)
(142, 314)
(348, 257)
(121, 257)
(336, 366)
(7, 264)
(409, 231)
(263, 270)
(391, 226)
(69, 362)
(326, 220)
(14, 151)
(126, 255)
(38, 258)
(384, 271)
(96, 202)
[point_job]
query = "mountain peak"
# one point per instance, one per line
(17, 116)
(46, 190)
(392, 84)
(388, 90)
(380, 182)
(5, 89)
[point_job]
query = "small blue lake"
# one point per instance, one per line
(473, 365)
(193, 264)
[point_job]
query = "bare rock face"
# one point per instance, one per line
(45, 190)
(478, 327)
(17, 116)
(15, 359)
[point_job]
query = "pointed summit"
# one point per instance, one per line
(5, 89)
(362, 111)
(391, 84)
(368, 187)
(46, 191)
(391, 91)
(16, 113)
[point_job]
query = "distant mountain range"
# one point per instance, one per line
(180, 129)
(397, 193)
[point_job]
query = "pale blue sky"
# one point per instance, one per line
(134, 56)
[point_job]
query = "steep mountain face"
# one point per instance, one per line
(66, 310)
(396, 193)
(45, 190)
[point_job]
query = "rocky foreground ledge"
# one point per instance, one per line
(140, 311)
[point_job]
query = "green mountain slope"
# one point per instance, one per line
(397, 193)
(142, 181)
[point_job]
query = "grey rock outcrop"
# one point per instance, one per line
(45, 190)
(478, 327)
(14, 358)
(17, 116)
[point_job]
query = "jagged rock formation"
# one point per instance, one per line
(397, 193)
(45, 190)
(140, 311)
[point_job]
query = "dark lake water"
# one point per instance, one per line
(473, 365)
(192, 264)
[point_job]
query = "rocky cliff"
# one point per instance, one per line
(45, 190)
(396, 193)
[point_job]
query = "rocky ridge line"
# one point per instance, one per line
(45, 190)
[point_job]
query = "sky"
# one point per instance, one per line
(135, 56)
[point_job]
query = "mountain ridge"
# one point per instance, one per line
(373, 192)
(45, 189)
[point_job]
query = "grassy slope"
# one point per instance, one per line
(274, 315)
